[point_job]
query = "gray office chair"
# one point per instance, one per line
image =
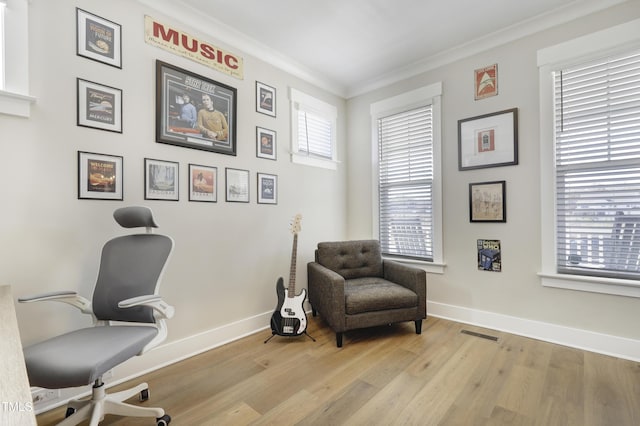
(129, 319)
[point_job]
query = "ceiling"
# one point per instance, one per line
(351, 46)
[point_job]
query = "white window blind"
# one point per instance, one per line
(597, 158)
(314, 135)
(405, 183)
(313, 131)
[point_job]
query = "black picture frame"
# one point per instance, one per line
(99, 106)
(267, 188)
(488, 201)
(100, 176)
(98, 39)
(237, 185)
(266, 143)
(203, 183)
(489, 140)
(265, 99)
(181, 125)
(161, 180)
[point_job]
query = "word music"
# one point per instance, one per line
(183, 44)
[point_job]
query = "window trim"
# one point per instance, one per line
(430, 94)
(305, 102)
(14, 95)
(582, 49)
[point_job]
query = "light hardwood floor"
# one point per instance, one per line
(391, 376)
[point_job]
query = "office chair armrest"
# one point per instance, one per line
(153, 301)
(69, 297)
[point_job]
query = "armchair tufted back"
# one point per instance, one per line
(351, 259)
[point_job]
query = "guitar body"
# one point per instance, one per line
(289, 317)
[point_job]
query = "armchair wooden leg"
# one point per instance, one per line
(314, 312)
(339, 339)
(418, 326)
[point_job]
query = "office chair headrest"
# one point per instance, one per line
(134, 217)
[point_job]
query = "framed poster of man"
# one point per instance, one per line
(193, 111)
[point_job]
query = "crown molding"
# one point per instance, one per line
(189, 16)
(235, 40)
(572, 11)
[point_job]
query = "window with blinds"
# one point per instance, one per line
(314, 135)
(597, 159)
(405, 183)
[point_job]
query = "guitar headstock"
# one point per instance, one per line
(296, 224)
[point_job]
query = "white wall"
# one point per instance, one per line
(516, 292)
(228, 256)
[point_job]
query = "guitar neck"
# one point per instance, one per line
(291, 292)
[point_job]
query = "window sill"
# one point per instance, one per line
(15, 104)
(611, 286)
(312, 161)
(430, 267)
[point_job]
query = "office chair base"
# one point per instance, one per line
(102, 403)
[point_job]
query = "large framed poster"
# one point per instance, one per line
(193, 111)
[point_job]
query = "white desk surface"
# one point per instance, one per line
(16, 407)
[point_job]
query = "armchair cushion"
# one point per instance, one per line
(351, 259)
(376, 294)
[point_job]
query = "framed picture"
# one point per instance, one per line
(489, 255)
(203, 183)
(194, 111)
(237, 185)
(267, 189)
(266, 143)
(99, 176)
(161, 180)
(486, 82)
(98, 38)
(488, 201)
(265, 99)
(99, 106)
(489, 140)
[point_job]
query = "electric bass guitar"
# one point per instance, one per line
(289, 318)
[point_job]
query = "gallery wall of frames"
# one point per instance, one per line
(192, 112)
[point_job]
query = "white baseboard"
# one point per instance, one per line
(620, 347)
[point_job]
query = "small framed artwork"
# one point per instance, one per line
(237, 182)
(203, 183)
(266, 143)
(267, 189)
(489, 255)
(265, 99)
(161, 180)
(99, 176)
(489, 140)
(486, 82)
(98, 38)
(193, 111)
(99, 106)
(488, 201)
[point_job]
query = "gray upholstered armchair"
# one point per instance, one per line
(352, 287)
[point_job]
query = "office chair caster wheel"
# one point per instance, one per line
(144, 395)
(164, 420)
(70, 412)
